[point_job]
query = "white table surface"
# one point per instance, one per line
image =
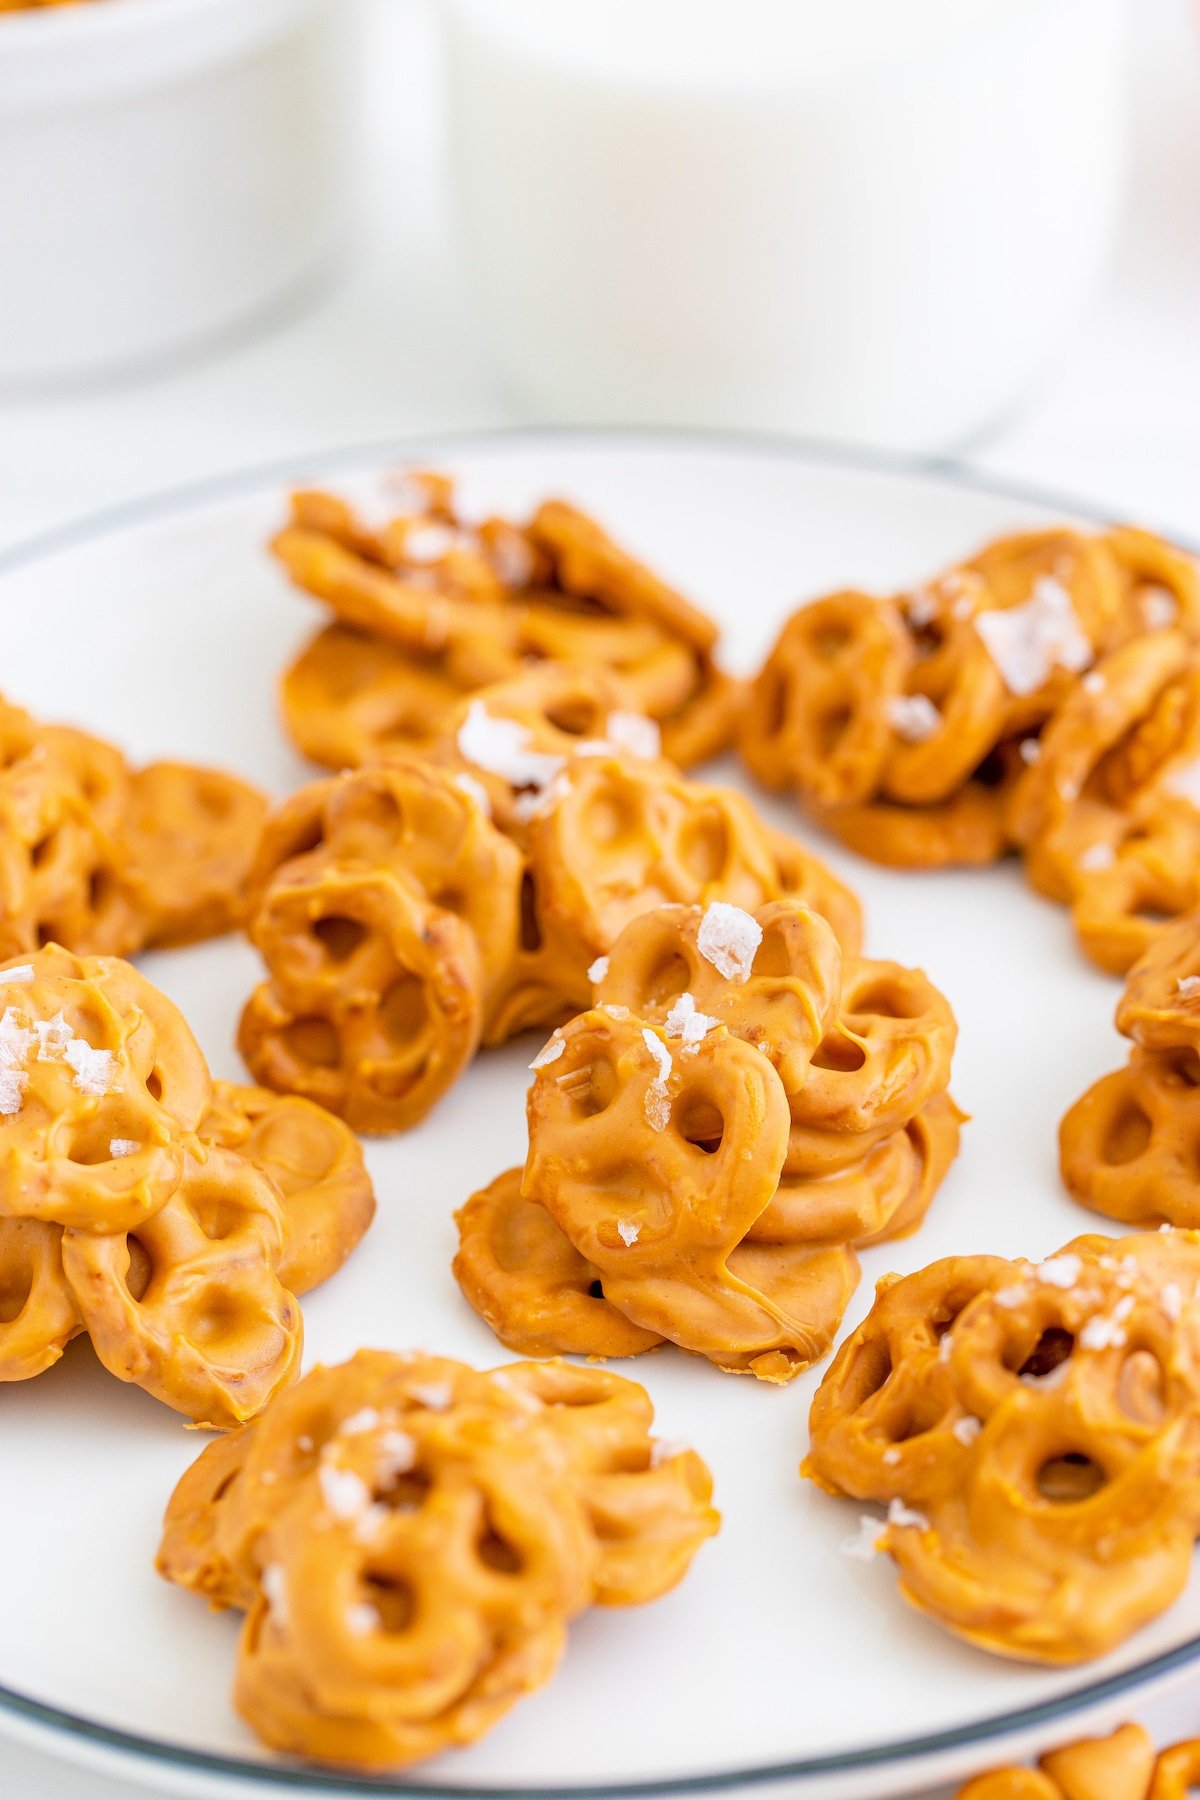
(386, 348)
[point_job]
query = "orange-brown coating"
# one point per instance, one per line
(1033, 1429)
(1122, 1766)
(410, 911)
(163, 1217)
(104, 859)
(1128, 1146)
(1034, 698)
(704, 1153)
(317, 1164)
(410, 1538)
(429, 609)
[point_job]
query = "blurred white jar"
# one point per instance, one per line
(863, 219)
(167, 167)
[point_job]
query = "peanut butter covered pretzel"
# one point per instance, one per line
(1128, 1146)
(106, 860)
(701, 1160)
(1035, 698)
(410, 1538)
(1033, 1429)
(430, 609)
(411, 911)
(1122, 1766)
(167, 1219)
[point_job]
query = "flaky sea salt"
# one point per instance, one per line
(467, 784)
(1016, 1295)
(16, 1041)
(344, 1493)
(550, 1051)
(366, 1419)
(1098, 857)
(1093, 682)
(429, 543)
(363, 1618)
(1171, 1299)
(1059, 1271)
(728, 938)
(123, 1146)
(945, 1346)
(273, 1582)
(598, 970)
(502, 747)
(684, 1021)
(864, 1545)
(891, 1455)
(512, 559)
(628, 1232)
(1160, 608)
(397, 1454)
(1187, 986)
(1100, 1333)
(658, 1100)
(1052, 1378)
(664, 1450)
(921, 608)
(967, 1430)
(614, 1011)
(1029, 750)
(899, 1514)
(913, 717)
(1028, 642)
(635, 733)
(435, 1396)
(21, 973)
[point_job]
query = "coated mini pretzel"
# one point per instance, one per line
(102, 1080)
(190, 1307)
(1034, 1429)
(38, 1316)
(188, 841)
(317, 1164)
(1160, 1006)
(1120, 1767)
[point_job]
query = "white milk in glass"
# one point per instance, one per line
(864, 219)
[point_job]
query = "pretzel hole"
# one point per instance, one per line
(772, 703)
(313, 1041)
(591, 1089)
(991, 772)
(496, 1552)
(704, 846)
(102, 889)
(1141, 1389)
(1181, 1068)
(667, 978)
(531, 928)
(89, 1147)
(215, 799)
(831, 727)
(217, 1217)
(42, 851)
(888, 1000)
(392, 1599)
(339, 937)
(220, 1319)
(154, 1086)
(699, 1123)
(137, 1275)
(773, 956)
(610, 817)
(408, 1492)
(575, 716)
(1127, 1136)
(595, 1290)
(830, 641)
(1049, 1353)
(868, 1372)
(306, 838)
(839, 1053)
(1066, 1480)
(16, 1285)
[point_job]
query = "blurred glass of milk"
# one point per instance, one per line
(869, 220)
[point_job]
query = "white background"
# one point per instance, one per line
(385, 348)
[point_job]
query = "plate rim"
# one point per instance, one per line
(183, 497)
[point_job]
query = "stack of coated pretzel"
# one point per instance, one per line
(171, 1221)
(1122, 1766)
(740, 1107)
(428, 608)
(105, 859)
(412, 910)
(409, 1539)
(1035, 697)
(1034, 1430)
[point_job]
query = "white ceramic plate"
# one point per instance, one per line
(779, 1660)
